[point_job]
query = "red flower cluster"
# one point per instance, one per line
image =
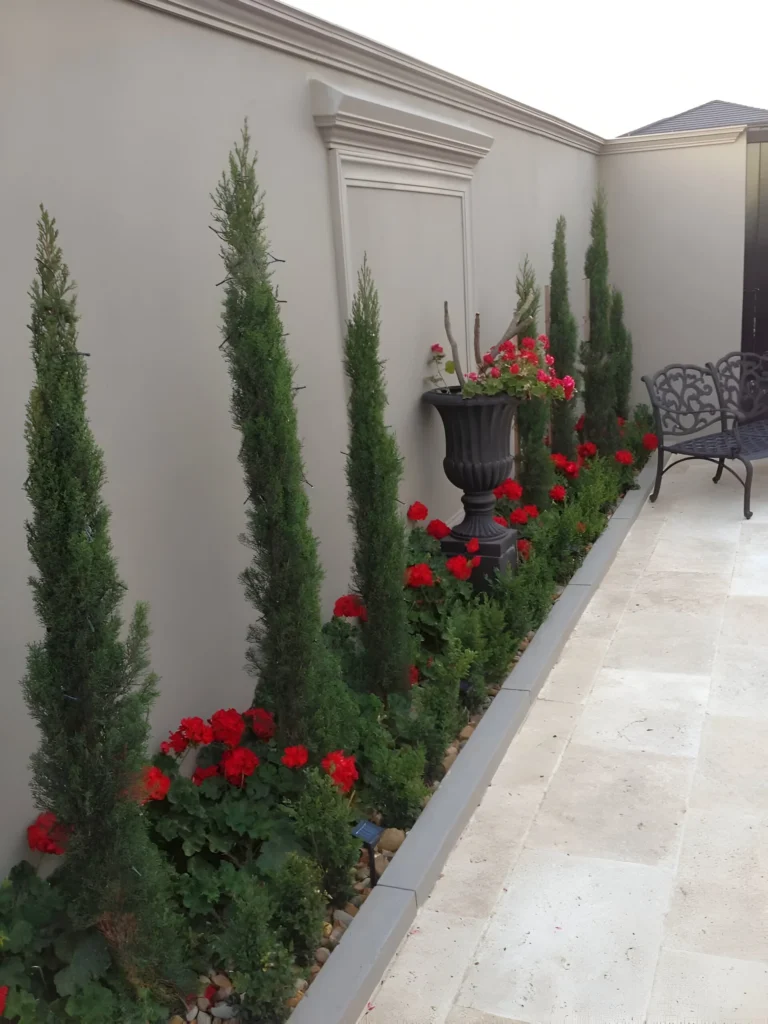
(4, 990)
(588, 450)
(46, 835)
(238, 764)
(650, 442)
(417, 512)
(295, 757)
(419, 575)
(228, 727)
(570, 469)
(524, 548)
(557, 493)
(196, 731)
(500, 520)
(531, 511)
(438, 529)
(413, 675)
(342, 769)
(350, 607)
(262, 723)
(461, 567)
(154, 784)
(579, 424)
(509, 489)
(199, 775)
(473, 546)
(624, 458)
(176, 743)
(519, 517)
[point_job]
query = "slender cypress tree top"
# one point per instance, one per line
(563, 341)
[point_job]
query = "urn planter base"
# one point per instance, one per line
(495, 553)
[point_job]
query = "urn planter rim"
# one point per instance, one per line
(448, 396)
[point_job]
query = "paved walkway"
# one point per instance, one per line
(617, 868)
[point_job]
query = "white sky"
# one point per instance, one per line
(605, 65)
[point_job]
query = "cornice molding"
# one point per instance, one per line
(279, 27)
(673, 140)
(345, 120)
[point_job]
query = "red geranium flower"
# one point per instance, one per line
(228, 727)
(413, 675)
(579, 424)
(524, 548)
(528, 343)
(572, 470)
(531, 511)
(46, 835)
(155, 784)
(262, 722)
(238, 764)
(342, 769)
(437, 349)
(624, 458)
(350, 607)
(587, 450)
(196, 731)
(295, 757)
(500, 520)
(419, 575)
(176, 743)
(620, 421)
(519, 517)
(557, 493)
(199, 775)
(509, 489)
(438, 529)
(418, 511)
(473, 545)
(460, 567)
(4, 990)
(560, 461)
(650, 442)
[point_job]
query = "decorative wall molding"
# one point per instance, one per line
(348, 120)
(272, 24)
(673, 140)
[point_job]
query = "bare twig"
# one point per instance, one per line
(478, 353)
(454, 346)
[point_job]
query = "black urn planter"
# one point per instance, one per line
(478, 457)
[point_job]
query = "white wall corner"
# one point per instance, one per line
(349, 120)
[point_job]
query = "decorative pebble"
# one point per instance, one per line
(224, 1011)
(176, 1019)
(224, 993)
(192, 1012)
(220, 980)
(449, 759)
(203, 1002)
(336, 936)
(343, 918)
(391, 839)
(381, 864)
(327, 928)
(301, 984)
(314, 970)
(466, 732)
(351, 909)
(362, 872)
(322, 954)
(203, 1017)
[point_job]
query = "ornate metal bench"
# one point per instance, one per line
(731, 394)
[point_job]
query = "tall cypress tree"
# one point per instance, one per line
(537, 473)
(621, 343)
(374, 470)
(563, 341)
(596, 353)
(298, 679)
(89, 691)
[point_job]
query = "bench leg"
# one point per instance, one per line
(659, 474)
(747, 487)
(719, 473)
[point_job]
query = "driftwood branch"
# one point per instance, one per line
(452, 343)
(478, 353)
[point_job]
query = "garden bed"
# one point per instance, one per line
(341, 990)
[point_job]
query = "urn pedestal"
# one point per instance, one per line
(478, 457)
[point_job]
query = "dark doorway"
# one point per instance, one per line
(754, 321)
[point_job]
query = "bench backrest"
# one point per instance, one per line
(685, 399)
(742, 380)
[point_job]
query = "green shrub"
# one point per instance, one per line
(323, 823)
(394, 778)
(248, 948)
(621, 344)
(299, 906)
(563, 341)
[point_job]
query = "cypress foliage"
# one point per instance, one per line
(299, 679)
(596, 354)
(563, 341)
(374, 470)
(536, 473)
(89, 691)
(621, 342)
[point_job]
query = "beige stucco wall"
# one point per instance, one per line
(676, 242)
(120, 118)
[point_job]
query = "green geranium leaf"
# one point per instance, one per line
(20, 936)
(90, 960)
(93, 1005)
(450, 366)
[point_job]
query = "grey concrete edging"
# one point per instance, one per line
(339, 993)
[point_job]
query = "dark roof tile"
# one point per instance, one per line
(715, 114)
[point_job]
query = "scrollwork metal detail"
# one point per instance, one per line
(743, 382)
(685, 399)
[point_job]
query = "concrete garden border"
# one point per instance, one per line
(339, 993)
